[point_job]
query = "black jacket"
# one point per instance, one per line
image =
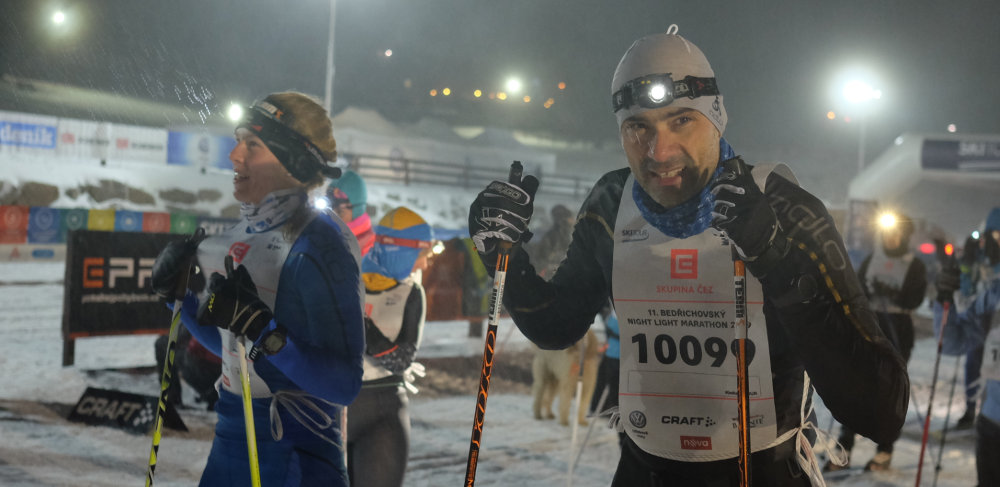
(828, 329)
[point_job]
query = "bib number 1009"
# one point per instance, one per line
(689, 349)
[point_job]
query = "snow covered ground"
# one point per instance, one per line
(39, 447)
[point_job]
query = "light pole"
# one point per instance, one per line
(859, 93)
(329, 59)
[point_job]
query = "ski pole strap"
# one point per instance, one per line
(804, 454)
(304, 408)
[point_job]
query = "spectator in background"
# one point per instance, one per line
(348, 197)
(378, 438)
(895, 282)
(550, 249)
(606, 388)
(966, 331)
(980, 263)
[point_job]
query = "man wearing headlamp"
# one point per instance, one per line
(658, 237)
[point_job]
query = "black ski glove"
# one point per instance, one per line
(741, 211)
(501, 212)
(948, 280)
(174, 260)
(233, 304)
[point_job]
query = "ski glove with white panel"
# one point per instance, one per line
(176, 258)
(501, 212)
(233, 303)
(742, 212)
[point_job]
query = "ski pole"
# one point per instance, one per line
(248, 412)
(166, 376)
(742, 381)
(496, 298)
(251, 430)
(593, 421)
(930, 401)
(579, 407)
(947, 418)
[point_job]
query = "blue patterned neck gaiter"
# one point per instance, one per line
(688, 218)
(273, 211)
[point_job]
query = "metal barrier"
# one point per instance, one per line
(407, 172)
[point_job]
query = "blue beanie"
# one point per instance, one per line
(400, 237)
(993, 219)
(351, 184)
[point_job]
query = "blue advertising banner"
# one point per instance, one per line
(199, 149)
(27, 135)
(44, 226)
(961, 155)
(128, 221)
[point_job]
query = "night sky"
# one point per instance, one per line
(779, 66)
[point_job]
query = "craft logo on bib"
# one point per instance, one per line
(684, 263)
(239, 250)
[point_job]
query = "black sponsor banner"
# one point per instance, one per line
(107, 288)
(107, 283)
(122, 410)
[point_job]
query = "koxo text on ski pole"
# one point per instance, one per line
(496, 298)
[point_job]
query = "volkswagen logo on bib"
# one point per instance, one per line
(637, 419)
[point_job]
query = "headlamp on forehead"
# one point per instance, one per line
(660, 90)
(296, 153)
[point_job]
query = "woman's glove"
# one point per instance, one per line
(233, 303)
(742, 212)
(176, 259)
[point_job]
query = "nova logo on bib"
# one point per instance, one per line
(696, 442)
(684, 263)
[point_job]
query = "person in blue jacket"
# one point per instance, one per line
(285, 282)
(378, 434)
(980, 263)
(971, 329)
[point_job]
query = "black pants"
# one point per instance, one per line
(987, 451)
(378, 437)
(775, 467)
